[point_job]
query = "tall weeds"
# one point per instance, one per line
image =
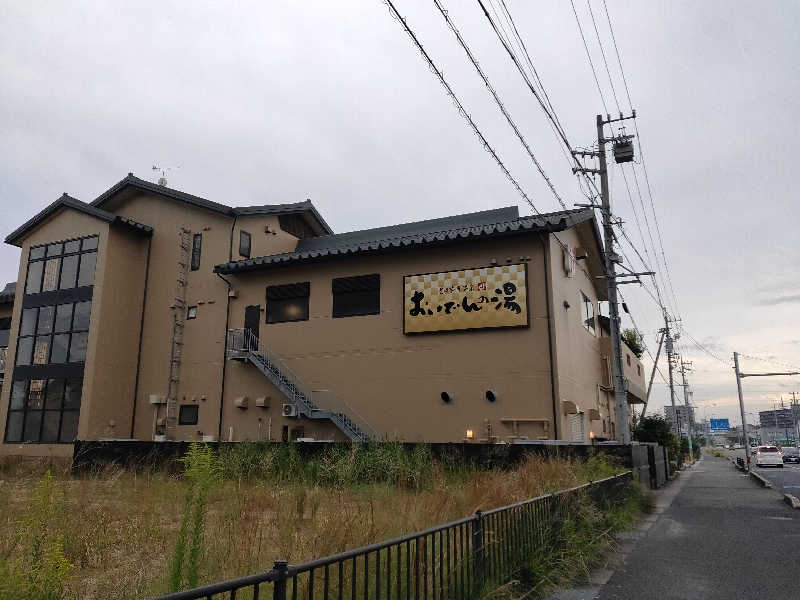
(202, 472)
(39, 570)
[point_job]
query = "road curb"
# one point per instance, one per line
(792, 501)
(764, 482)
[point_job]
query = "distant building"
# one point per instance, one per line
(685, 416)
(779, 424)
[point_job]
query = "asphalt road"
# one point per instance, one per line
(723, 536)
(785, 480)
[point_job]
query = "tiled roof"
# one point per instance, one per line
(7, 295)
(490, 223)
(70, 202)
(306, 208)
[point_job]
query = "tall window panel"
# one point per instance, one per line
(197, 248)
(54, 334)
(61, 265)
(44, 411)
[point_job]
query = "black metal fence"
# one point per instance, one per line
(454, 561)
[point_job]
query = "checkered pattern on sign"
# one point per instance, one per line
(440, 289)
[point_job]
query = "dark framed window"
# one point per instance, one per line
(244, 244)
(197, 248)
(44, 411)
(288, 302)
(354, 296)
(54, 334)
(5, 331)
(61, 265)
(587, 313)
(187, 414)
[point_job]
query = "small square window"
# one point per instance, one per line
(191, 312)
(188, 414)
(587, 314)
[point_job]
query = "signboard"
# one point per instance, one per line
(720, 425)
(481, 298)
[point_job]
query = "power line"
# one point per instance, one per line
(603, 54)
(589, 56)
(461, 110)
(552, 117)
(497, 100)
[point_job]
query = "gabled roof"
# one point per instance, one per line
(7, 295)
(485, 224)
(66, 201)
(306, 208)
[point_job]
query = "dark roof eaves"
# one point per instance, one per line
(523, 225)
(231, 211)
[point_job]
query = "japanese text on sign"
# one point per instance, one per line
(466, 299)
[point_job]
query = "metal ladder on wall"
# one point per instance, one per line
(178, 323)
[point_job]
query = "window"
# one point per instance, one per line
(5, 331)
(244, 244)
(628, 358)
(638, 369)
(197, 247)
(288, 302)
(188, 414)
(44, 411)
(587, 313)
(61, 265)
(191, 312)
(54, 334)
(353, 296)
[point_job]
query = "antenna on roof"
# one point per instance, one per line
(163, 179)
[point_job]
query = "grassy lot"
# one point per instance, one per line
(113, 534)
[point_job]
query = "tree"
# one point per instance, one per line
(634, 341)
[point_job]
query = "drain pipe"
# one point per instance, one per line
(224, 353)
(546, 257)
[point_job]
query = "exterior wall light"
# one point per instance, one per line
(446, 398)
(491, 396)
(470, 434)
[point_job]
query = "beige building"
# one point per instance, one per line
(152, 314)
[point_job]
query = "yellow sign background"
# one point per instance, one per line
(466, 299)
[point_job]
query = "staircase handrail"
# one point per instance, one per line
(243, 340)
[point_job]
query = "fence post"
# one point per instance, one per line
(477, 548)
(279, 590)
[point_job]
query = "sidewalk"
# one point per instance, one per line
(722, 536)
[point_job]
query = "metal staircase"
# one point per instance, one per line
(178, 323)
(244, 346)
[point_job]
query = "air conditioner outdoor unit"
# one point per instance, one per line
(289, 410)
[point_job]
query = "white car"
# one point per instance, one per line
(769, 455)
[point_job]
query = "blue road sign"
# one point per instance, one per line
(720, 425)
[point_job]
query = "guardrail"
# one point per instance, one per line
(456, 560)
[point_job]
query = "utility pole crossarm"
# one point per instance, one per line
(789, 373)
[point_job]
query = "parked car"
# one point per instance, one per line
(791, 455)
(753, 450)
(769, 456)
(737, 446)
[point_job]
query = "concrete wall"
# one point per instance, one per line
(581, 366)
(111, 360)
(392, 380)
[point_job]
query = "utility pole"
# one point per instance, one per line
(653, 373)
(739, 377)
(745, 442)
(670, 364)
(795, 408)
(684, 364)
(623, 152)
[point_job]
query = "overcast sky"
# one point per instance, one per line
(278, 102)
